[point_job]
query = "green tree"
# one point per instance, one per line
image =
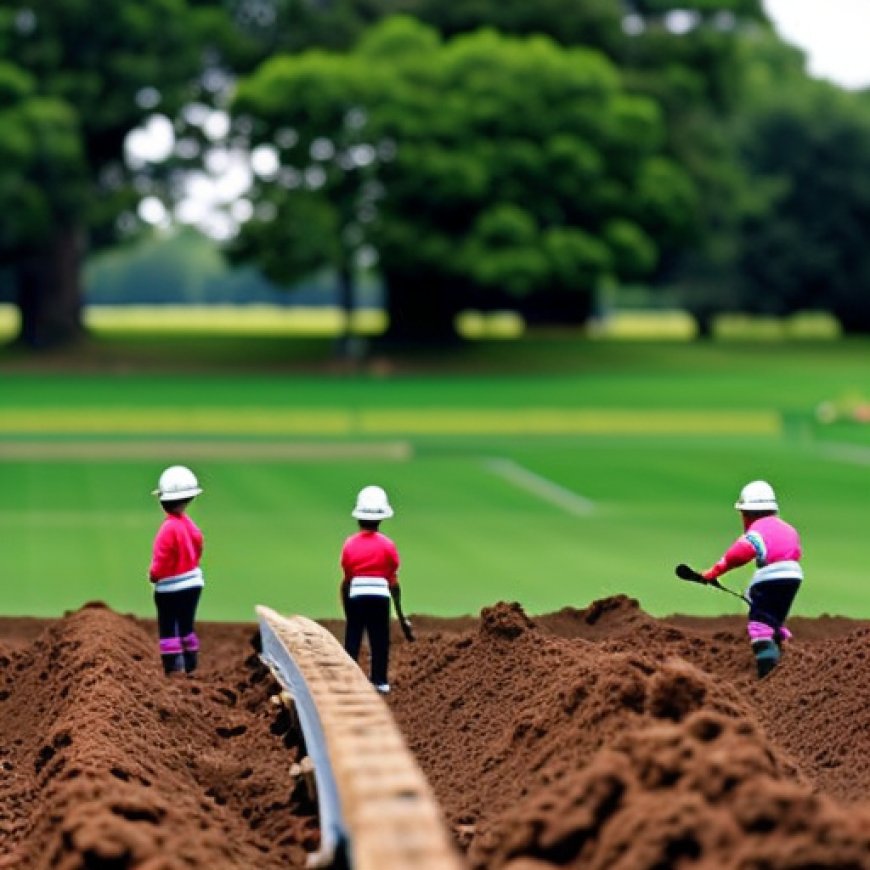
(42, 182)
(317, 209)
(810, 148)
(689, 56)
(692, 58)
(475, 166)
(593, 23)
(98, 72)
(245, 32)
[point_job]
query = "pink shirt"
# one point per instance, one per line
(767, 540)
(177, 547)
(370, 554)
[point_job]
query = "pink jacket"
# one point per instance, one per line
(766, 540)
(177, 548)
(370, 554)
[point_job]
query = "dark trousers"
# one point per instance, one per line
(370, 615)
(769, 604)
(771, 600)
(179, 644)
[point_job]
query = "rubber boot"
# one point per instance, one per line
(766, 656)
(172, 662)
(191, 660)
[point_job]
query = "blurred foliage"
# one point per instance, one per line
(84, 78)
(808, 248)
(187, 268)
(479, 153)
(156, 270)
(483, 165)
(103, 61)
(42, 162)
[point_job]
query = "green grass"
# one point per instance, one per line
(560, 370)
(470, 534)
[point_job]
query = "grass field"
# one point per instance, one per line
(562, 473)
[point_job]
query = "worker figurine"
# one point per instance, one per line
(370, 565)
(776, 548)
(175, 571)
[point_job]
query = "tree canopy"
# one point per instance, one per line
(476, 154)
(92, 74)
(807, 249)
(479, 163)
(42, 162)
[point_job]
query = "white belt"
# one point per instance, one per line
(786, 570)
(187, 580)
(377, 586)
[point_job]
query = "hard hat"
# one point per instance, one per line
(372, 504)
(757, 496)
(176, 483)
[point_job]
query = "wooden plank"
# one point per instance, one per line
(390, 816)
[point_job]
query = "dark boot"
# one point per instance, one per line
(767, 656)
(191, 659)
(172, 662)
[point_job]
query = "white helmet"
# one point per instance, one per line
(372, 504)
(757, 496)
(177, 483)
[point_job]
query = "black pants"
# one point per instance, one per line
(176, 612)
(370, 615)
(771, 601)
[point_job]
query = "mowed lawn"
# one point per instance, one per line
(551, 489)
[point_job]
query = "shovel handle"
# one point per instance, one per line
(684, 572)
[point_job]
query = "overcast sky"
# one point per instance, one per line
(834, 33)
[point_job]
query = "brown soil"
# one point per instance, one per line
(108, 764)
(595, 738)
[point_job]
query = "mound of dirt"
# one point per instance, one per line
(526, 726)
(597, 738)
(108, 764)
(706, 791)
(511, 709)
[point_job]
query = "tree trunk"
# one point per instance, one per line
(49, 292)
(853, 310)
(704, 318)
(349, 345)
(421, 311)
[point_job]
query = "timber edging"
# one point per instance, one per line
(376, 806)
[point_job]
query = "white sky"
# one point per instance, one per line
(834, 33)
